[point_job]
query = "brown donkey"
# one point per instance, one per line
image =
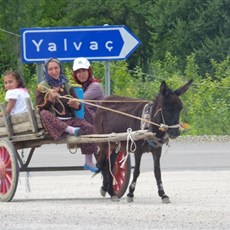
(164, 113)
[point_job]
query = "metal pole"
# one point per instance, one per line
(39, 72)
(107, 78)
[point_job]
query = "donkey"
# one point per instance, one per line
(165, 110)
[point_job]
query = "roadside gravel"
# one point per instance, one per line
(199, 200)
(203, 139)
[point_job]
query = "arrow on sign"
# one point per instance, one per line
(94, 43)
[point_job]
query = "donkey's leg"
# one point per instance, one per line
(136, 173)
(107, 170)
(102, 166)
(157, 172)
(105, 181)
(110, 171)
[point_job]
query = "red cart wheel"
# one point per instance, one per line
(8, 170)
(121, 174)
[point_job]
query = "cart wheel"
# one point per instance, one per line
(122, 175)
(8, 170)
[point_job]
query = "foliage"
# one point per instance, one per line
(181, 40)
(206, 103)
(184, 27)
(179, 27)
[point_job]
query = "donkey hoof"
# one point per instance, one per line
(129, 199)
(165, 200)
(103, 192)
(115, 198)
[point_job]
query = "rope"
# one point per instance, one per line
(116, 101)
(118, 147)
(128, 150)
(162, 127)
(46, 91)
(115, 111)
(73, 152)
(132, 149)
(110, 167)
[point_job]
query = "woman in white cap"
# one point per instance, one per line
(83, 75)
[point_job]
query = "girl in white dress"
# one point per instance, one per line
(16, 93)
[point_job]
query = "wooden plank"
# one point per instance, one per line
(3, 132)
(28, 136)
(7, 121)
(15, 119)
(31, 115)
(19, 129)
(20, 118)
(31, 140)
(22, 123)
(113, 137)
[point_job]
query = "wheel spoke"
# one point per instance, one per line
(119, 174)
(4, 155)
(8, 163)
(120, 181)
(8, 170)
(8, 179)
(3, 189)
(2, 150)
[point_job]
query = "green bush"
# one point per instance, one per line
(206, 103)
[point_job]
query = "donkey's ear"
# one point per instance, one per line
(183, 88)
(164, 89)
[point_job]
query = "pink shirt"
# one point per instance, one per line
(18, 94)
(94, 92)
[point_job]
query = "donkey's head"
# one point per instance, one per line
(167, 110)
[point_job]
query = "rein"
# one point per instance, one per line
(162, 127)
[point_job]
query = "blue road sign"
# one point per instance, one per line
(94, 43)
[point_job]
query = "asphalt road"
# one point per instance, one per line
(195, 176)
(177, 156)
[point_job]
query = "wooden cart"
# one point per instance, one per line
(25, 131)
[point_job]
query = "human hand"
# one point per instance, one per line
(73, 103)
(52, 94)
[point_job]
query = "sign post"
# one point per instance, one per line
(107, 78)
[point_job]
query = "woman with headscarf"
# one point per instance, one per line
(83, 75)
(57, 113)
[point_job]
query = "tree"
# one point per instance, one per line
(184, 27)
(179, 27)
